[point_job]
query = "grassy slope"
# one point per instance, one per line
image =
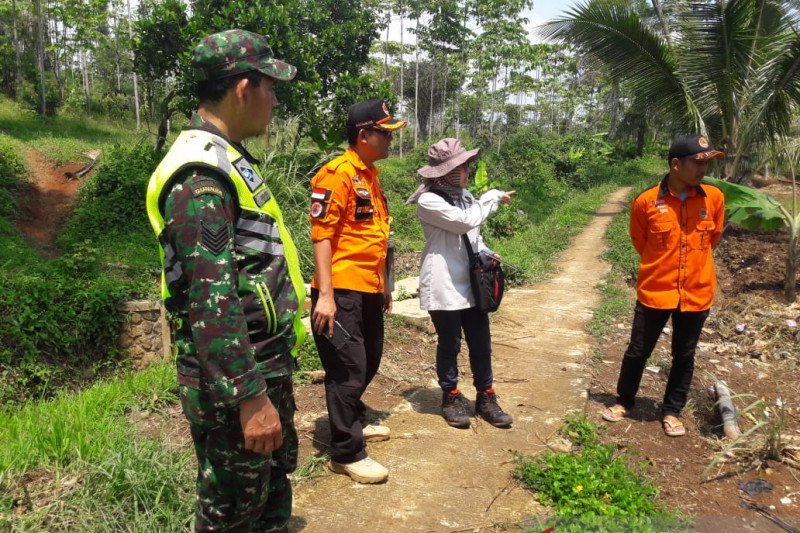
(62, 139)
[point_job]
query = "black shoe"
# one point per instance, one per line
(454, 409)
(486, 407)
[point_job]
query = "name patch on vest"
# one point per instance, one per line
(249, 175)
(262, 197)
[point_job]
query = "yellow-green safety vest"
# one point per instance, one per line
(196, 148)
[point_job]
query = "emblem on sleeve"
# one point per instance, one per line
(317, 210)
(703, 213)
(362, 193)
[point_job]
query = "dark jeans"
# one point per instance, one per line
(348, 371)
(475, 324)
(647, 326)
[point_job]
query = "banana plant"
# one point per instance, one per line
(482, 181)
(754, 210)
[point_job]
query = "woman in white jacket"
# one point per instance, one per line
(447, 211)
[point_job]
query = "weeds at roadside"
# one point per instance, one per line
(595, 486)
(139, 486)
(313, 467)
(763, 440)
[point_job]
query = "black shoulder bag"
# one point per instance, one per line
(487, 278)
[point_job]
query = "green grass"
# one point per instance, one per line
(86, 466)
(308, 361)
(596, 487)
(312, 468)
(62, 139)
(79, 426)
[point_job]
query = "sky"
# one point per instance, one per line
(542, 11)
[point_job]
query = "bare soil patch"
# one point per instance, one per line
(45, 204)
(751, 340)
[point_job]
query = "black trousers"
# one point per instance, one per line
(348, 371)
(475, 324)
(647, 326)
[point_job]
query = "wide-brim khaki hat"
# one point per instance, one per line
(444, 156)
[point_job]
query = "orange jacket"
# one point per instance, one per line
(674, 239)
(349, 208)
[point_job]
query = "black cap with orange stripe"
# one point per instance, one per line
(692, 145)
(373, 114)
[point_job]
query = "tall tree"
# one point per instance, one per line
(40, 54)
(135, 76)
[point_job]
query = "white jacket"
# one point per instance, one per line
(444, 267)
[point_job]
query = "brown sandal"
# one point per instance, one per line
(615, 413)
(673, 429)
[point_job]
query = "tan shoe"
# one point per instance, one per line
(364, 471)
(375, 433)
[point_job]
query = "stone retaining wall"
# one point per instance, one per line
(144, 335)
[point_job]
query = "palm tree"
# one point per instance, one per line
(727, 69)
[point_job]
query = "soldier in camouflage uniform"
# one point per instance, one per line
(231, 283)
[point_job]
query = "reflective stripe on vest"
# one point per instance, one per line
(200, 148)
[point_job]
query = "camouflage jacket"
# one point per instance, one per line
(230, 294)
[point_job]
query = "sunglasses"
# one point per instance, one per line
(385, 134)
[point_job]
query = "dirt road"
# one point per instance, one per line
(446, 479)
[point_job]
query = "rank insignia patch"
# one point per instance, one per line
(214, 241)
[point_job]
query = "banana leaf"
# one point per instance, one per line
(749, 208)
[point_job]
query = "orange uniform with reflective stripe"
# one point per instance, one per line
(349, 208)
(675, 239)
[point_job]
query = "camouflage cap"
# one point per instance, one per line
(236, 51)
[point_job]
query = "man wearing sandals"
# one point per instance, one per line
(674, 226)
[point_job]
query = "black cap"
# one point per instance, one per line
(692, 145)
(373, 114)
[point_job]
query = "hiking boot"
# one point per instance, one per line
(364, 471)
(454, 409)
(375, 433)
(486, 407)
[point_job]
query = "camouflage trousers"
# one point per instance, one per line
(239, 490)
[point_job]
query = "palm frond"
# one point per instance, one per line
(612, 32)
(723, 46)
(778, 92)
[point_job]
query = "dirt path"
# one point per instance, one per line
(446, 479)
(45, 205)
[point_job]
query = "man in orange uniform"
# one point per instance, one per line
(674, 227)
(350, 230)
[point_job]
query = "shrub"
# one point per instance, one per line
(52, 317)
(12, 172)
(112, 201)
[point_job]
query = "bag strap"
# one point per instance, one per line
(473, 257)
